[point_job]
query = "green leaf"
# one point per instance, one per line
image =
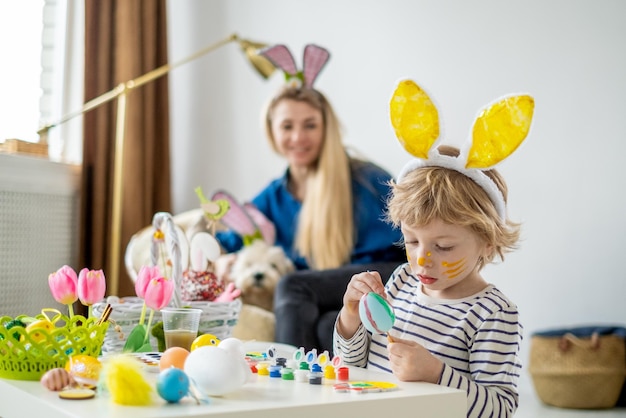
(146, 348)
(135, 340)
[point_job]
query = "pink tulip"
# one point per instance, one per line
(159, 293)
(91, 286)
(144, 277)
(63, 285)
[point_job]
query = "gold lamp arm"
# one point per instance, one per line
(263, 66)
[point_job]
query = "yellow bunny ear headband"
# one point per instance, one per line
(497, 132)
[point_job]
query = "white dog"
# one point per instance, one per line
(256, 272)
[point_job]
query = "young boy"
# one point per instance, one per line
(452, 327)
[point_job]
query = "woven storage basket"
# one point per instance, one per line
(27, 355)
(571, 371)
(218, 318)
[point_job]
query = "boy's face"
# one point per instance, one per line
(445, 259)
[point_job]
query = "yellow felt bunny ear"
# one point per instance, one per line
(414, 117)
(499, 130)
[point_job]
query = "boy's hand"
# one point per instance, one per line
(411, 362)
(359, 285)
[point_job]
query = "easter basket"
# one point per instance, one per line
(582, 368)
(28, 354)
(217, 318)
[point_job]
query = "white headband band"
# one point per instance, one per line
(453, 163)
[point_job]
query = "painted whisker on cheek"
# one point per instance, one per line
(457, 268)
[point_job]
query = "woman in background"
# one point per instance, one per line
(328, 210)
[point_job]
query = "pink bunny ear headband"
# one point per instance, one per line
(314, 59)
(246, 220)
(497, 132)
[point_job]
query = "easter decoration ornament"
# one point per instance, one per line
(214, 210)
(151, 284)
(246, 220)
(314, 59)
(498, 131)
(199, 282)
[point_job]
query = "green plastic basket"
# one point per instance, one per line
(27, 355)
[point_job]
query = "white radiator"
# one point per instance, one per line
(39, 216)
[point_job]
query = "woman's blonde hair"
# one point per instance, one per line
(430, 193)
(325, 231)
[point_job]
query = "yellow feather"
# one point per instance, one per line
(124, 379)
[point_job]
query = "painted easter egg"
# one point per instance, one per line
(172, 384)
(376, 313)
(173, 357)
(84, 369)
(34, 330)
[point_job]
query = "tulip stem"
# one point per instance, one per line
(70, 308)
(142, 318)
(89, 311)
(145, 340)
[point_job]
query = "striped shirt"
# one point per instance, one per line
(478, 338)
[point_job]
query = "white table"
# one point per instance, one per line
(263, 396)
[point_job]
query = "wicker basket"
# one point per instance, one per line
(218, 318)
(578, 372)
(26, 356)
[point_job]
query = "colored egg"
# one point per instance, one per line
(376, 313)
(204, 339)
(34, 329)
(84, 369)
(173, 357)
(172, 384)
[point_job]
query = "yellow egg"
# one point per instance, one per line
(173, 357)
(204, 339)
(33, 330)
(84, 369)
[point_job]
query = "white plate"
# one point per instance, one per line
(282, 350)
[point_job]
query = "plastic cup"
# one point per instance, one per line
(180, 326)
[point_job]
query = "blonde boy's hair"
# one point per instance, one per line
(325, 231)
(430, 193)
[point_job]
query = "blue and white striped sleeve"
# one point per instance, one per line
(353, 351)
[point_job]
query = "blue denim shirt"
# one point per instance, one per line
(376, 239)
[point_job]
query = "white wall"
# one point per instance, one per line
(567, 182)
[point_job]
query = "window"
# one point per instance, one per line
(20, 31)
(45, 80)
